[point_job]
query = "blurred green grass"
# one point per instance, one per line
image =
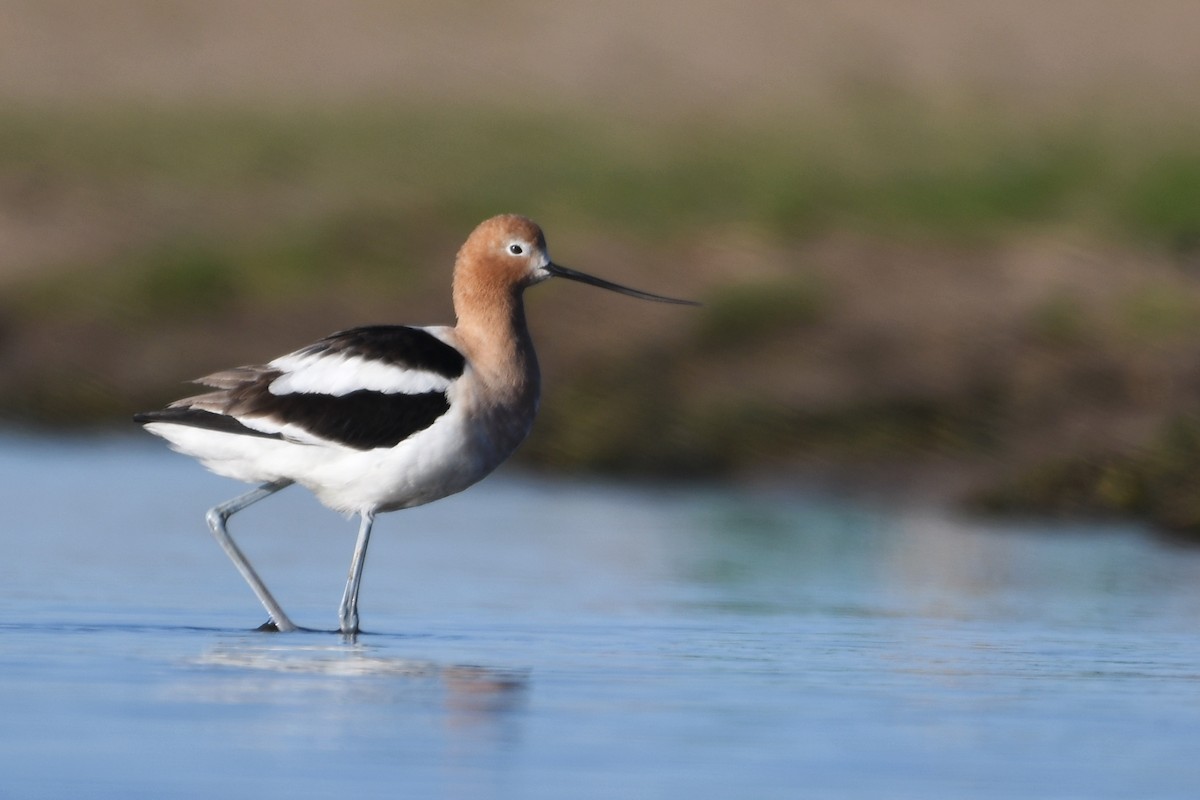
(253, 218)
(264, 205)
(889, 170)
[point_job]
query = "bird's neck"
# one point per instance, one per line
(491, 324)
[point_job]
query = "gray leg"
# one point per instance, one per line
(217, 518)
(348, 610)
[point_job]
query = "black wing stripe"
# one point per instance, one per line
(395, 345)
(362, 420)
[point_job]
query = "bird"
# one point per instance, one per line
(381, 418)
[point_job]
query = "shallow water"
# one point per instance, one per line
(548, 639)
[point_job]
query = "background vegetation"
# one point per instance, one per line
(977, 277)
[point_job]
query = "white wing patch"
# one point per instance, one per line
(289, 431)
(336, 375)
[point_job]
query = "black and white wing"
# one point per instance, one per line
(363, 388)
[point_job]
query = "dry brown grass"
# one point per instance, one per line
(625, 55)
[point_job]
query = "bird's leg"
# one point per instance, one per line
(217, 517)
(348, 610)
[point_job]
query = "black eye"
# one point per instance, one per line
(515, 249)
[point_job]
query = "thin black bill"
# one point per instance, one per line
(562, 272)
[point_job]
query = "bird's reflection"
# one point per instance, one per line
(482, 691)
(355, 677)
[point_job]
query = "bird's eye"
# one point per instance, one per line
(516, 249)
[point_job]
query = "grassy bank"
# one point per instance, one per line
(887, 283)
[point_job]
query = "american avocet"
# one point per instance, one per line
(383, 417)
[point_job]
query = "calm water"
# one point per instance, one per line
(545, 639)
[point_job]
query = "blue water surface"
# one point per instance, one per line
(541, 638)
